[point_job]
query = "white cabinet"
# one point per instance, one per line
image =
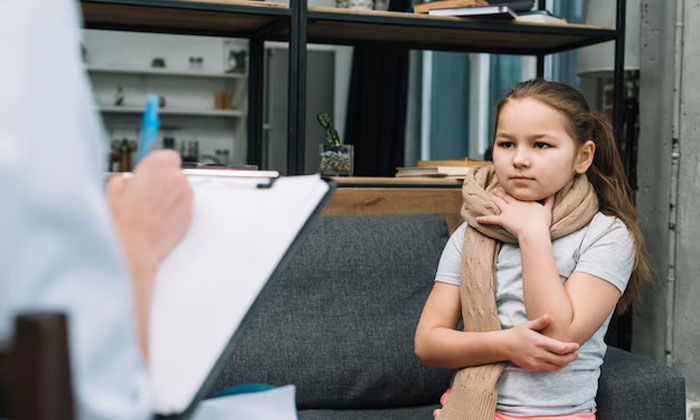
(203, 102)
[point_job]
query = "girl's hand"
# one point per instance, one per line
(443, 401)
(519, 218)
(531, 350)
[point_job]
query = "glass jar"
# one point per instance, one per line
(336, 160)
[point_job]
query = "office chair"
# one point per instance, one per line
(35, 379)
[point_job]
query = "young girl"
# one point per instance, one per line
(549, 247)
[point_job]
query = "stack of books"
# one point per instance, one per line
(451, 168)
(492, 9)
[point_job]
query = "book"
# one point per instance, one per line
(438, 171)
(540, 16)
(244, 229)
(425, 7)
(490, 12)
(451, 162)
(517, 5)
(275, 403)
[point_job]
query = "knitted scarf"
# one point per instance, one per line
(474, 389)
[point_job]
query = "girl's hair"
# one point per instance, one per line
(606, 174)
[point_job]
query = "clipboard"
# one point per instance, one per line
(300, 200)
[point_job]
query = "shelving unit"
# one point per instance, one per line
(229, 113)
(417, 31)
(166, 72)
(299, 25)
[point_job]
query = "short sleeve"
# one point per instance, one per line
(607, 251)
(449, 267)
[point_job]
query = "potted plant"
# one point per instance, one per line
(336, 157)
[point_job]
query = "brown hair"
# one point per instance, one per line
(606, 174)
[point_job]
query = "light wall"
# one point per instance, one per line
(666, 324)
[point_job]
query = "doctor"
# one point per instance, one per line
(60, 247)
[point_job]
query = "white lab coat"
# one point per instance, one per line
(58, 247)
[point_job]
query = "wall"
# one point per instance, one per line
(665, 326)
(686, 338)
(320, 82)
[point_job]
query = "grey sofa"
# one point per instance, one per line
(339, 325)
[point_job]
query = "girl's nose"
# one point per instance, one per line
(521, 158)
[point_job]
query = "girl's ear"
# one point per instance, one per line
(584, 157)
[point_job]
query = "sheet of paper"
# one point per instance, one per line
(275, 404)
(239, 234)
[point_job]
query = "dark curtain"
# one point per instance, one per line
(376, 116)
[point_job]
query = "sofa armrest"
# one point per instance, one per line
(634, 387)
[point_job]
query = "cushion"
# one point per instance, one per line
(424, 412)
(339, 323)
(634, 387)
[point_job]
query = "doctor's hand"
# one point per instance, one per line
(152, 211)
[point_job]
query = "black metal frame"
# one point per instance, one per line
(255, 99)
(297, 20)
(619, 95)
(296, 108)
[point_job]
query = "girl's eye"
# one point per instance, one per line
(539, 145)
(505, 144)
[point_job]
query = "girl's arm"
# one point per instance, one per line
(578, 307)
(439, 344)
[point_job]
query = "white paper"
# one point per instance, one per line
(275, 404)
(205, 287)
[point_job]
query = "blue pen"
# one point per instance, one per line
(149, 126)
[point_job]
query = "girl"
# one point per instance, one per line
(549, 247)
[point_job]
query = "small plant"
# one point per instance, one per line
(331, 133)
(336, 157)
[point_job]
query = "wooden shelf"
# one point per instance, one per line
(166, 72)
(225, 18)
(392, 201)
(327, 25)
(413, 181)
(230, 113)
(420, 31)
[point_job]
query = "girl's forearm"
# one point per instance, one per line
(543, 290)
(448, 348)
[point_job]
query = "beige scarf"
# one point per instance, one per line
(474, 390)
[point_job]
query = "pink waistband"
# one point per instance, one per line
(576, 416)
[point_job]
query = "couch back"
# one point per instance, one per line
(340, 321)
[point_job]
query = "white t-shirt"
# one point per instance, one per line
(59, 250)
(603, 248)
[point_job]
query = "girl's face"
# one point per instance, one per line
(533, 155)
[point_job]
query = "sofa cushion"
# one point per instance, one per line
(633, 387)
(423, 412)
(339, 323)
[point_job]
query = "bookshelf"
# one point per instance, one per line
(298, 25)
